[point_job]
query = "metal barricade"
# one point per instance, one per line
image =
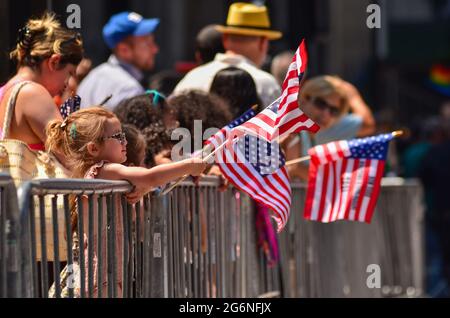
(98, 212)
(211, 247)
(331, 260)
(194, 242)
(9, 243)
(199, 242)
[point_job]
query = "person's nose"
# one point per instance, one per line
(326, 115)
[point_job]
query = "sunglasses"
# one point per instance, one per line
(121, 137)
(321, 104)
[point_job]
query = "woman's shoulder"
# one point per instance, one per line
(28, 90)
(33, 90)
(30, 96)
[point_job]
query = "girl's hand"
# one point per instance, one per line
(197, 166)
(136, 195)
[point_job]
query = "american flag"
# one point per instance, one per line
(283, 116)
(344, 179)
(72, 104)
(255, 167)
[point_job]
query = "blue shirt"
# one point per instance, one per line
(346, 128)
(112, 77)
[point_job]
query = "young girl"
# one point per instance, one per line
(93, 141)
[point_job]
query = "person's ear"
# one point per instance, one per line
(54, 62)
(198, 57)
(263, 44)
(225, 41)
(93, 149)
(123, 50)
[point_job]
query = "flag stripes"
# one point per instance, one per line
(344, 179)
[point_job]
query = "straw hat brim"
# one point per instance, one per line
(270, 34)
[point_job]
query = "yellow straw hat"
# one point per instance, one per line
(248, 19)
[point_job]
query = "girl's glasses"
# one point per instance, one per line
(121, 137)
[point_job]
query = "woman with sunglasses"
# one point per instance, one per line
(340, 111)
(46, 54)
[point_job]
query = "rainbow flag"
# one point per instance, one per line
(440, 79)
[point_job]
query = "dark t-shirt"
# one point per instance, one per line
(435, 175)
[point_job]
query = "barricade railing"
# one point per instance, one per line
(194, 242)
(49, 234)
(9, 243)
(340, 259)
(212, 250)
(200, 242)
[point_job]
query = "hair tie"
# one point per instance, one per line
(63, 123)
(73, 131)
(156, 95)
(24, 37)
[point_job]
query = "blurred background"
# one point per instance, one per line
(402, 68)
(392, 65)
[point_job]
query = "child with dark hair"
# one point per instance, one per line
(193, 105)
(159, 145)
(143, 110)
(136, 146)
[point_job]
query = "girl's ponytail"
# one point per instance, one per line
(56, 137)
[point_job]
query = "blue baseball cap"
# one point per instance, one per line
(127, 23)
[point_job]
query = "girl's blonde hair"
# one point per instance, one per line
(42, 37)
(323, 86)
(71, 136)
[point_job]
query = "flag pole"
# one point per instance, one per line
(294, 161)
(204, 160)
(396, 133)
(205, 149)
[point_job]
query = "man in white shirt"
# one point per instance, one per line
(246, 41)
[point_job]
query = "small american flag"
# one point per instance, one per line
(72, 104)
(255, 167)
(283, 116)
(344, 179)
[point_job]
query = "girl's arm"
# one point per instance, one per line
(156, 176)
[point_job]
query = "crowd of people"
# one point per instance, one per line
(124, 128)
(51, 67)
